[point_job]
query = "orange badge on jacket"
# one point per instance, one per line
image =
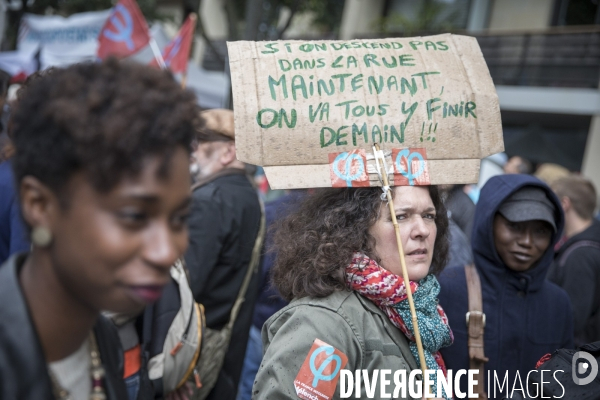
(320, 372)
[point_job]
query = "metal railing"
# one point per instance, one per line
(555, 58)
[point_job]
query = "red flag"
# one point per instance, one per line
(178, 50)
(125, 32)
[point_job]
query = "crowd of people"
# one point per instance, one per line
(139, 261)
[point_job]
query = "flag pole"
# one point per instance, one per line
(157, 54)
(184, 79)
(193, 17)
(378, 153)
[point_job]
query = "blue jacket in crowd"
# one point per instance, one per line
(13, 234)
(269, 301)
(526, 315)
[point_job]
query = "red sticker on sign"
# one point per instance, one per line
(410, 167)
(320, 372)
(348, 169)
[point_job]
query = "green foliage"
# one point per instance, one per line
(328, 14)
(68, 7)
(427, 20)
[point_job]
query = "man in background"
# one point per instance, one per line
(223, 228)
(518, 165)
(269, 301)
(461, 208)
(576, 266)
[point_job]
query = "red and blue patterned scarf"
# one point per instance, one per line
(388, 292)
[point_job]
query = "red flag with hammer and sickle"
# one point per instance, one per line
(125, 32)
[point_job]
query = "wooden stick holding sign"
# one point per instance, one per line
(380, 161)
(193, 17)
(157, 54)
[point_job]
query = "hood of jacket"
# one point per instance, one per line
(489, 264)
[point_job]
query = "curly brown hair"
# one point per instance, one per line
(316, 243)
(101, 118)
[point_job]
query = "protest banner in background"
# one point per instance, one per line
(311, 111)
(75, 37)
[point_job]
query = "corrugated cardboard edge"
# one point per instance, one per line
(243, 77)
(489, 122)
(314, 176)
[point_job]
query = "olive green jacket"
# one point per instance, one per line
(345, 320)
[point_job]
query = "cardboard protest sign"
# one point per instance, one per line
(311, 111)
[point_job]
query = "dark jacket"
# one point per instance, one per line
(579, 275)
(23, 368)
(526, 316)
(462, 209)
(269, 301)
(13, 235)
(223, 226)
(460, 248)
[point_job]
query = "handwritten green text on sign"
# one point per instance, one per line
(296, 102)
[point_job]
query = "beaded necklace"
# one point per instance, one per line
(96, 374)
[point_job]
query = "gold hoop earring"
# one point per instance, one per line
(41, 236)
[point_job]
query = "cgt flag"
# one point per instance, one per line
(124, 33)
(177, 52)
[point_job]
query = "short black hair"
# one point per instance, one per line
(101, 118)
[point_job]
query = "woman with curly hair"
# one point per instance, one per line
(338, 263)
(102, 172)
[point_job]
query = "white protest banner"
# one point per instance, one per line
(311, 111)
(62, 39)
